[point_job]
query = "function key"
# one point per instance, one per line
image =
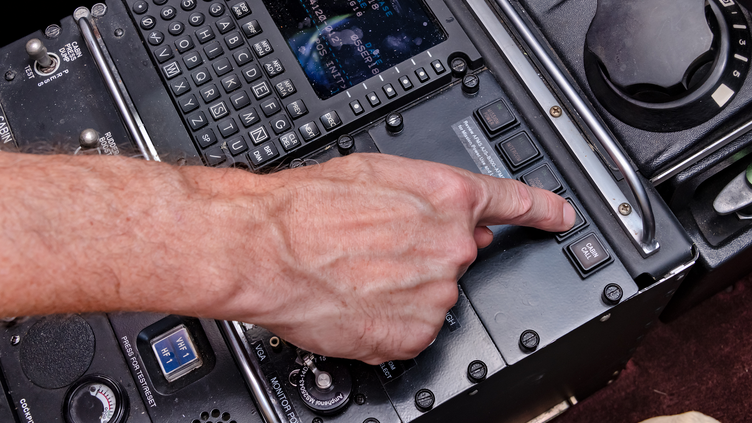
(422, 75)
(241, 10)
(163, 54)
(147, 22)
(285, 88)
(188, 5)
(405, 82)
(297, 109)
(251, 28)
(140, 7)
(330, 120)
(206, 138)
(274, 68)
(196, 19)
(289, 141)
(438, 67)
(215, 156)
(155, 38)
(389, 91)
(263, 48)
(589, 253)
(496, 116)
(309, 131)
(356, 107)
(176, 28)
(519, 150)
(216, 9)
(373, 99)
(204, 34)
(543, 178)
(167, 13)
(263, 154)
(225, 25)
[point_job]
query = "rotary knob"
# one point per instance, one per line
(324, 384)
(666, 65)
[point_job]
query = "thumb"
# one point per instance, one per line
(508, 201)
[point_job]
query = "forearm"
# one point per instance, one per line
(110, 233)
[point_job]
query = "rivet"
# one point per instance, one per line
(15, 340)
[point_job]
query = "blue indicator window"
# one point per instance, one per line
(176, 353)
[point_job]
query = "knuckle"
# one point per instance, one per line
(522, 201)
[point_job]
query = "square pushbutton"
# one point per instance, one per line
(579, 223)
(176, 353)
(519, 150)
(589, 253)
(496, 116)
(543, 177)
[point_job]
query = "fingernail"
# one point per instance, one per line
(569, 215)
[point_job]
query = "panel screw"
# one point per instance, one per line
(10, 75)
(119, 32)
(15, 340)
(317, 420)
(477, 371)
(529, 340)
(360, 399)
(98, 10)
(424, 399)
(625, 209)
(52, 31)
(612, 293)
(556, 111)
(606, 317)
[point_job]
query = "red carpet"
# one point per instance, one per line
(701, 361)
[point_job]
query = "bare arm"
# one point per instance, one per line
(358, 257)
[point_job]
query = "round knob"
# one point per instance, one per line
(395, 123)
(666, 65)
(88, 138)
(36, 49)
(471, 84)
(345, 144)
(459, 67)
(325, 387)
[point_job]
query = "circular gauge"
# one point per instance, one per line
(95, 399)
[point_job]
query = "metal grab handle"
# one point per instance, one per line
(252, 378)
(81, 15)
(647, 239)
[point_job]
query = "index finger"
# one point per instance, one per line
(507, 201)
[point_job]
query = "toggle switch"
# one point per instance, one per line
(37, 51)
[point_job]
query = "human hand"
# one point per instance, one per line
(364, 252)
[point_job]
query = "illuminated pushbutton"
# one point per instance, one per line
(176, 353)
(496, 117)
(589, 253)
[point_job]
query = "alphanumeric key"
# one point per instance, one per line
(206, 138)
(192, 60)
(180, 86)
(215, 156)
(280, 124)
(231, 83)
(222, 66)
(240, 100)
(188, 104)
(242, 56)
(225, 25)
(233, 40)
(197, 120)
(201, 76)
(164, 54)
(270, 107)
(227, 127)
(251, 73)
(261, 90)
(249, 117)
(204, 34)
(213, 50)
(184, 44)
(216, 9)
(237, 145)
(209, 93)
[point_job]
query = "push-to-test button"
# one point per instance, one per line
(589, 253)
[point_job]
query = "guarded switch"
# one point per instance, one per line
(176, 353)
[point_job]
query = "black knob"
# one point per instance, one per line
(459, 67)
(395, 123)
(471, 84)
(345, 144)
(665, 65)
(424, 399)
(529, 340)
(612, 294)
(477, 371)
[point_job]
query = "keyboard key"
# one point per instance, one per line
(222, 66)
(216, 9)
(543, 178)
(240, 100)
(188, 104)
(155, 38)
(405, 82)
(438, 67)
(389, 91)
(330, 120)
(289, 141)
(196, 19)
(242, 56)
(192, 60)
(176, 28)
(213, 50)
(356, 107)
(237, 145)
(204, 34)
(373, 99)
(197, 120)
(171, 70)
(219, 110)
(206, 138)
(251, 73)
(147, 22)
(215, 156)
(188, 5)
(184, 44)
(258, 135)
(263, 48)
(167, 13)
(263, 154)
(233, 40)
(261, 90)
(273, 68)
(201, 76)
(225, 24)
(209, 93)
(227, 127)
(180, 86)
(249, 117)
(280, 124)
(164, 54)
(270, 107)
(422, 75)
(241, 10)
(231, 83)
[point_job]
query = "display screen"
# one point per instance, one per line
(341, 43)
